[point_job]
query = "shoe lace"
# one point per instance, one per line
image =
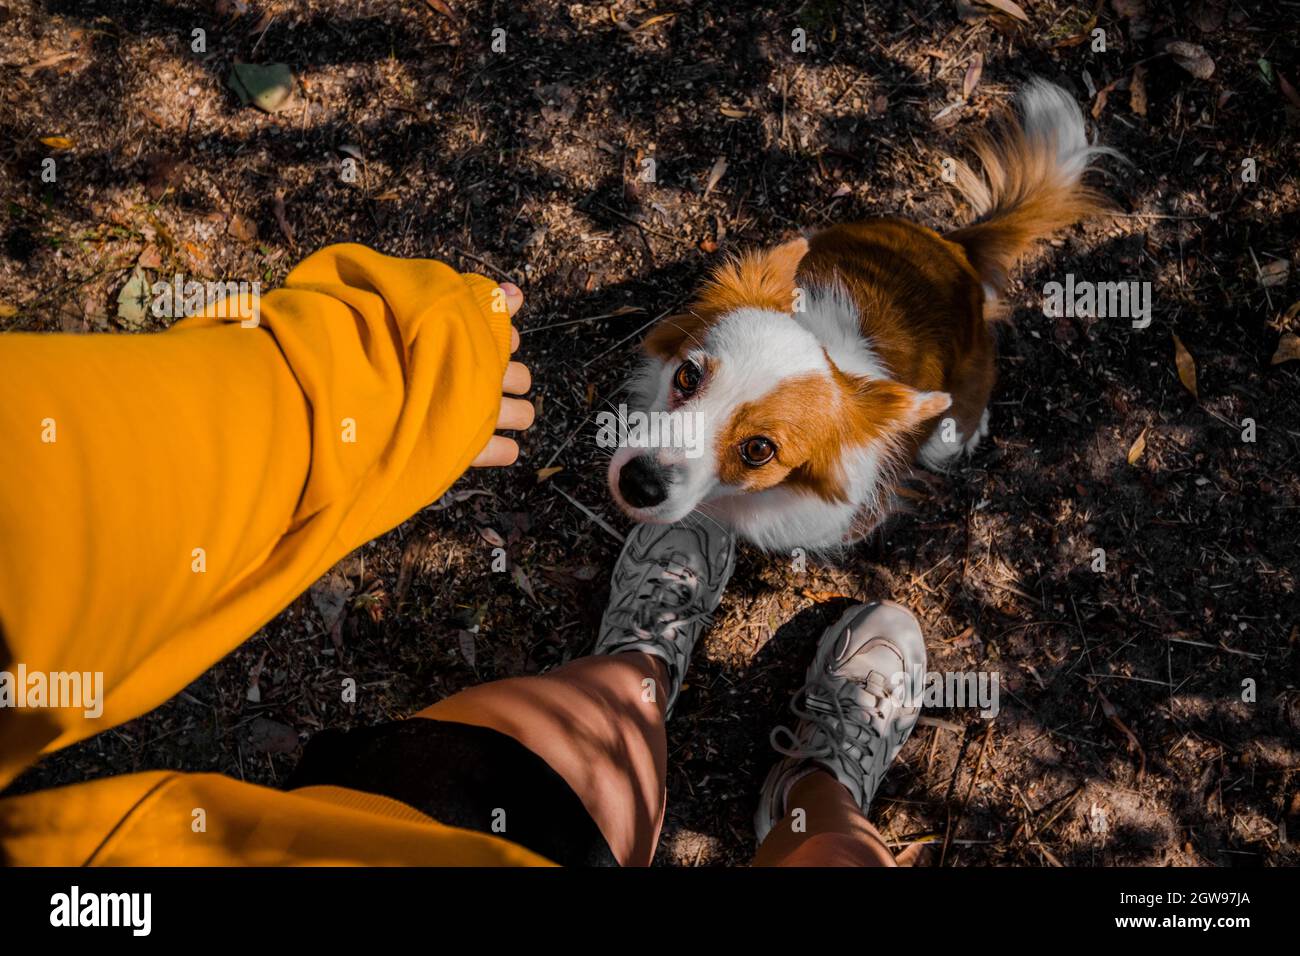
(659, 602)
(839, 725)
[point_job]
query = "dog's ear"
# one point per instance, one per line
(883, 407)
(763, 278)
(669, 337)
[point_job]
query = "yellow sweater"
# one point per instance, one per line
(164, 496)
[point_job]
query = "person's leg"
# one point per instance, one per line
(823, 826)
(596, 725)
(856, 710)
(599, 721)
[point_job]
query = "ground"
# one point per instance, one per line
(1150, 711)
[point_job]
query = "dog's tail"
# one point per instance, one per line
(1031, 186)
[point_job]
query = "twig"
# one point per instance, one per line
(597, 519)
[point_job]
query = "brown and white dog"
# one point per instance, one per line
(818, 370)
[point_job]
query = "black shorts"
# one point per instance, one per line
(462, 776)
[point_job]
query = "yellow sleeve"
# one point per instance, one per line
(163, 496)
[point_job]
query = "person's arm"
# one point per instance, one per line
(163, 496)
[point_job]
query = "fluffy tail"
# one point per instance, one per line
(1033, 168)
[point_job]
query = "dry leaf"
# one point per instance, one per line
(1186, 367)
(57, 142)
(149, 258)
(1137, 91)
(821, 597)
(277, 207)
(31, 68)
(1137, 448)
(544, 473)
(7, 311)
(974, 69)
(330, 596)
(1007, 7)
(1288, 349)
(715, 174)
(242, 228)
(439, 7)
(1274, 273)
(522, 582)
(466, 641)
(1191, 57)
(658, 18)
(492, 537)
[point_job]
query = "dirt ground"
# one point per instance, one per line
(1123, 736)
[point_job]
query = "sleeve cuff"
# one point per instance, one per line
(483, 291)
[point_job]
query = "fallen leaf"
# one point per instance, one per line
(1288, 349)
(1191, 57)
(347, 149)
(1010, 9)
(974, 70)
(1186, 367)
(658, 18)
(715, 174)
(1137, 91)
(1099, 104)
(947, 116)
(544, 473)
(254, 692)
(492, 537)
(242, 228)
(732, 113)
(465, 640)
(388, 196)
(149, 258)
(133, 301)
(57, 142)
(7, 311)
(330, 596)
(821, 597)
(1137, 448)
(707, 245)
(268, 86)
(438, 6)
(1274, 273)
(277, 207)
(522, 582)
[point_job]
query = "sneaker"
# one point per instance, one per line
(858, 705)
(666, 585)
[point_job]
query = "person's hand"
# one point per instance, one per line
(516, 414)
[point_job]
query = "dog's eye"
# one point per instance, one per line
(687, 377)
(757, 451)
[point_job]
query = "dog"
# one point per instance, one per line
(815, 372)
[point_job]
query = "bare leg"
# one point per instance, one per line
(822, 827)
(599, 723)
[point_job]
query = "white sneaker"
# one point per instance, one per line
(858, 705)
(666, 585)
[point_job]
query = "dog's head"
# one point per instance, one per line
(738, 397)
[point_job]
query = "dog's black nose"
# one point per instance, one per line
(641, 484)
